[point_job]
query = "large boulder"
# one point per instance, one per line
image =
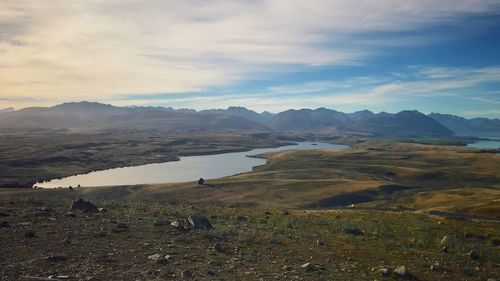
(84, 206)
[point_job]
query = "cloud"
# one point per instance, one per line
(423, 83)
(102, 49)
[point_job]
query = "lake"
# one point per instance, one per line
(188, 168)
(490, 143)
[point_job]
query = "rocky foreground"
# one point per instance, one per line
(81, 240)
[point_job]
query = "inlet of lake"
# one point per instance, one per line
(188, 168)
(490, 142)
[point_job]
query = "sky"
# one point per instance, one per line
(382, 55)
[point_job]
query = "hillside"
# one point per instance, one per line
(96, 116)
(471, 127)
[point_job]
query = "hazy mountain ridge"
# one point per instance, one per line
(473, 126)
(105, 117)
(96, 116)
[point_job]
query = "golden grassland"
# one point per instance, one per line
(394, 186)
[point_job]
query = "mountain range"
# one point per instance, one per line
(85, 116)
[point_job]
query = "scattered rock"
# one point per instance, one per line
(200, 222)
(287, 268)
(444, 241)
(218, 248)
(473, 255)
(45, 209)
(241, 218)
(436, 267)
(29, 234)
(444, 249)
(353, 231)
(57, 258)
(102, 210)
(186, 274)
(157, 258)
(383, 271)
(320, 243)
(401, 272)
(121, 227)
(307, 266)
(84, 206)
(4, 224)
(160, 222)
(70, 214)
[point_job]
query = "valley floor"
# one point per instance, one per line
(357, 214)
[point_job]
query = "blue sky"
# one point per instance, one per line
(387, 55)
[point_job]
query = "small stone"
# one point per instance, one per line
(444, 241)
(199, 222)
(353, 231)
(401, 271)
(155, 258)
(307, 266)
(70, 214)
(287, 268)
(121, 227)
(57, 258)
(186, 274)
(102, 210)
(84, 206)
(218, 248)
(444, 249)
(175, 224)
(241, 218)
(383, 270)
(436, 267)
(473, 255)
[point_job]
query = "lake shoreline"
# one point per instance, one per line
(187, 157)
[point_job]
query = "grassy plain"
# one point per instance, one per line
(295, 210)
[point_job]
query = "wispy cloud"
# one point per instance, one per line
(354, 93)
(102, 49)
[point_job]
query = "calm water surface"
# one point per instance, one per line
(189, 168)
(491, 143)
